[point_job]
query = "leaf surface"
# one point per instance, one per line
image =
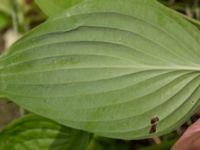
(37, 133)
(55, 6)
(108, 67)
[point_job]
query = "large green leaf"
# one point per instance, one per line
(108, 67)
(56, 6)
(193, 21)
(36, 133)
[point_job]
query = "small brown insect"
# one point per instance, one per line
(153, 128)
(154, 120)
(154, 123)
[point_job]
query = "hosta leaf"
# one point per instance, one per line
(56, 6)
(193, 21)
(110, 67)
(37, 133)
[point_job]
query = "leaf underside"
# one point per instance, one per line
(108, 67)
(32, 132)
(56, 6)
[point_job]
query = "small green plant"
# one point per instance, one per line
(123, 69)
